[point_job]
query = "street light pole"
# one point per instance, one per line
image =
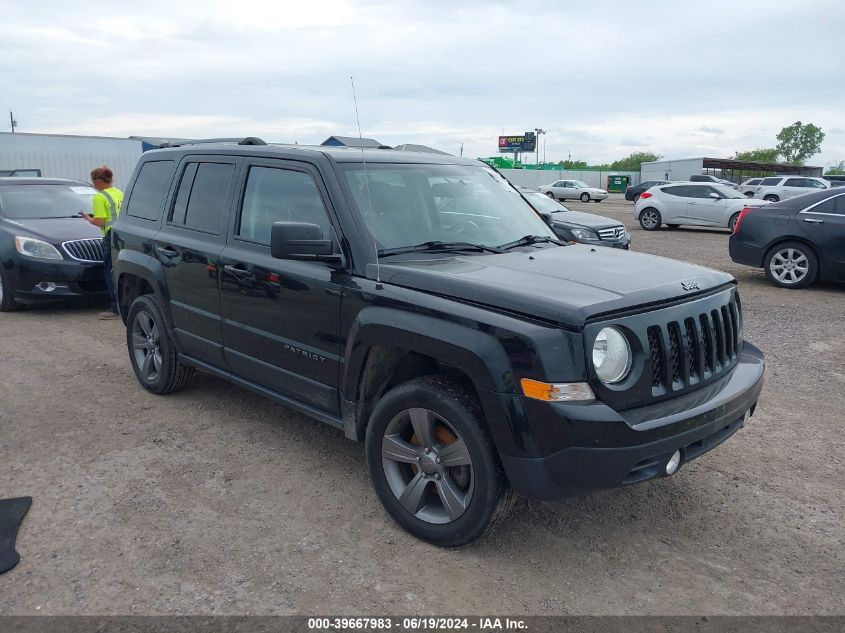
(12, 121)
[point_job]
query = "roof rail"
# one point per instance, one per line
(249, 140)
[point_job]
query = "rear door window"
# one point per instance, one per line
(770, 182)
(795, 182)
(150, 189)
(201, 200)
(677, 190)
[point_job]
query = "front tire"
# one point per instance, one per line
(550, 194)
(650, 219)
(771, 198)
(151, 352)
(585, 197)
(433, 464)
(7, 295)
(791, 265)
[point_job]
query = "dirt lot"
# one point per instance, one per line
(216, 501)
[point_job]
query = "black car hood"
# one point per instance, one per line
(587, 220)
(53, 230)
(565, 285)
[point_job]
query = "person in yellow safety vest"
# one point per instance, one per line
(107, 204)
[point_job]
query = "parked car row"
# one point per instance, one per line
(776, 188)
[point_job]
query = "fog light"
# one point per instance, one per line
(673, 463)
(47, 286)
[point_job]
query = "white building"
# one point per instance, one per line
(727, 168)
(64, 156)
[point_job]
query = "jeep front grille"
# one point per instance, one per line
(90, 250)
(687, 351)
(612, 233)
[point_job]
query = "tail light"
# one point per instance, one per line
(645, 195)
(742, 214)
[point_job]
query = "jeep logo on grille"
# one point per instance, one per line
(690, 285)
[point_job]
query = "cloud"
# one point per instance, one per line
(435, 72)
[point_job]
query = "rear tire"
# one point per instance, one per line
(151, 351)
(636, 198)
(550, 194)
(585, 197)
(7, 295)
(771, 198)
(749, 194)
(650, 219)
(447, 505)
(791, 265)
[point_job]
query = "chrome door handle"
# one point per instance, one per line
(813, 221)
(167, 252)
(236, 272)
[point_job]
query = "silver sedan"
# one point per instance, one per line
(573, 190)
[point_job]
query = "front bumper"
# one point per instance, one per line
(70, 278)
(614, 449)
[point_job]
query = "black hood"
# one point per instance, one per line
(53, 230)
(565, 285)
(586, 220)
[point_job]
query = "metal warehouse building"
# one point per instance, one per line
(64, 156)
(727, 168)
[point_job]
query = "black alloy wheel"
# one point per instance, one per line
(151, 352)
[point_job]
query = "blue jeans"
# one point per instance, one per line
(107, 271)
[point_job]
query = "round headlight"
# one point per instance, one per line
(611, 356)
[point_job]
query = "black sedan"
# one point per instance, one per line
(634, 191)
(575, 226)
(796, 241)
(47, 251)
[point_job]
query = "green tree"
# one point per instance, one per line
(573, 164)
(632, 162)
(762, 155)
(797, 142)
(837, 170)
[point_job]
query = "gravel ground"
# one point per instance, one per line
(215, 501)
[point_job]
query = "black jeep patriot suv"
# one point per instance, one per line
(419, 303)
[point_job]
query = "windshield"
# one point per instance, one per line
(25, 202)
(542, 202)
(414, 204)
(728, 192)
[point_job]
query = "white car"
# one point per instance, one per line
(693, 203)
(573, 190)
(749, 187)
(777, 188)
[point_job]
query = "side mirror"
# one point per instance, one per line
(714, 195)
(547, 218)
(300, 240)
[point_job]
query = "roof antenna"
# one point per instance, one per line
(367, 184)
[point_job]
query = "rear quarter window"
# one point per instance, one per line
(150, 189)
(675, 190)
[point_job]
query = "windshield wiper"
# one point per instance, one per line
(528, 240)
(436, 246)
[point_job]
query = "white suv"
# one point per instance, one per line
(779, 188)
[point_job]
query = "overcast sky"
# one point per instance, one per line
(604, 78)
